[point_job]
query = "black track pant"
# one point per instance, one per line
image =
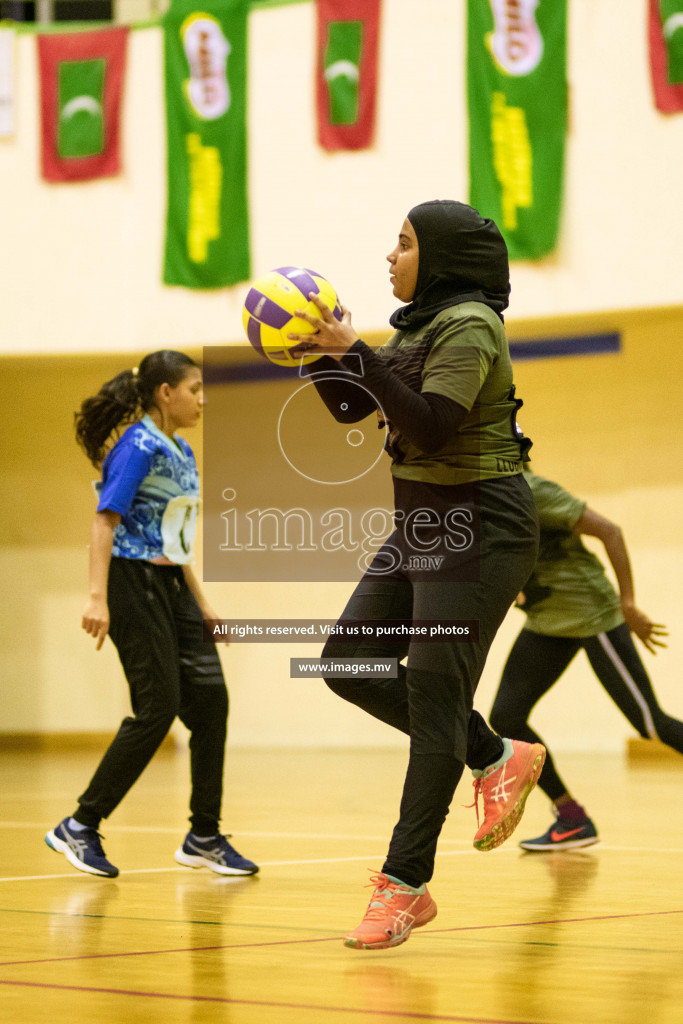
(156, 626)
(536, 662)
(431, 700)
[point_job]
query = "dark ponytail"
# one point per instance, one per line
(125, 398)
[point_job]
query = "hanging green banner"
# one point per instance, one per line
(207, 223)
(517, 99)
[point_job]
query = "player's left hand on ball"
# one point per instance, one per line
(333, 337)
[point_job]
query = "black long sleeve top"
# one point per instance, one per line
(427, 420)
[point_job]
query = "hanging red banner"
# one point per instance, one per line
(346, 72)
(81, 81)
(668, 95)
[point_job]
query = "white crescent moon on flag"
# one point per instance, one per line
(78, 103)
(342, 68)
(672, 23)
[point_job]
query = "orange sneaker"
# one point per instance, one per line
(394, 910)
(504, 789)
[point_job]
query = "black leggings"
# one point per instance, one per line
(156, 626)
(537, 661)
(431, 700)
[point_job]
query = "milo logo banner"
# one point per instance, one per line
(517, 99)
(207, 225)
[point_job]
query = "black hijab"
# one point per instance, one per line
(462, 258)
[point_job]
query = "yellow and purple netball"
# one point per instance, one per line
(269, 308)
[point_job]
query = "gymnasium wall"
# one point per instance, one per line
(606, 426)
(80, 265)
(80, 271)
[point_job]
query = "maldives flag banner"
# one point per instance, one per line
(665, 31)
(207, 220)
(346, 72)
(81, 84)
(671, 12)
(517, 105)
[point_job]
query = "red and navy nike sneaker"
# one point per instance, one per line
(564, 834)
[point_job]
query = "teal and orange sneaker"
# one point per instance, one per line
(565, 834)
(394, 910)
(504, 788)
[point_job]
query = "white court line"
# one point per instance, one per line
(263, 864)
(153, 830)
(343, 860)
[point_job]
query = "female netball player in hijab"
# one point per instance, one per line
(144, 594)
(444, 386)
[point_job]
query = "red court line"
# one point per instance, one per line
(268, 1004)
(559, 920)
(156, 952)
(338, 938)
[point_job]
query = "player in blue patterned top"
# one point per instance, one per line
(144, 595)
(154, 486)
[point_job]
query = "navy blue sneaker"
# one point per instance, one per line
(564, 835)
(82, 848)
(216, 853)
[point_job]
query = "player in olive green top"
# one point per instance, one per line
(570, 604)
(465, 538)
(462, 355)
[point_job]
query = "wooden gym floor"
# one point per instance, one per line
(591, 937)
